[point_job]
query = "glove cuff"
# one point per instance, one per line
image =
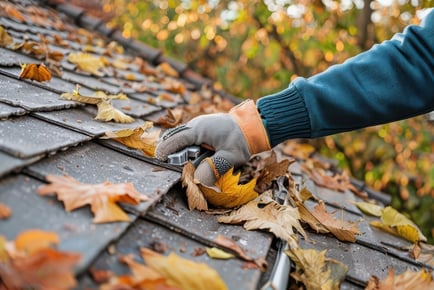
(247, 117)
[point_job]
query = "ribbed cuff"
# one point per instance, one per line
(284, 115)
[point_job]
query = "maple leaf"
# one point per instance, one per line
(101, 197)
(137, 138)
(397, 224)
(106, 112)
(264, 213)
(87, 62)
(323, 222)
(421, 280)
(36, 72)
(195, 197)
(183, 273)
(44, 269)
(228, 193)
(315, 271)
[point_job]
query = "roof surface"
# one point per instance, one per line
(41, 134)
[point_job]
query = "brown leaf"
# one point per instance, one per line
(183, 273)
(421, 280)
(319, 219)
(230, 244)
(137, 138)
(195, 197)
(173, 118)
(36, 72)
(315, 271)
(5, 211)
(270, 169)
(264, 213)
(44, 269)
(167, 69)
(5, 39)
(101, 197)
(228, 192)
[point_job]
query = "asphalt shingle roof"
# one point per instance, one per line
(41, 134)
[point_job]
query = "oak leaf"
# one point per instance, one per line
(101, 197)
(36, 72)
(322, 221)
(315, 271)
(396, 223)
(265, 213)
(227, 192)
(421, 280)
(106, 112)
(137, 138)
(183, 273)
(87, 62)
(195, 197)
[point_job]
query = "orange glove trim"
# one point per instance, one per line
(247, 116)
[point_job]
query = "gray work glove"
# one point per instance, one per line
(235, 136)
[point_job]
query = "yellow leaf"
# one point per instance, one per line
(183, 273)
(315, 271)
(137, 138)
(397, 224)
(264, 213)
(217, 253)
(5, 39)
(370, 208)
(87, 62)
(421, 280)
(3, 252)
(229, 193)
(106, 112)
(195, 198)
(31, 241)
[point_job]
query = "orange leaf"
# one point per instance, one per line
(421, 280)
(101, 197)
(31, 241)
(5, 211)
(46, 269)
(36, 72)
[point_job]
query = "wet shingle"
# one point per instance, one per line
(6, 111)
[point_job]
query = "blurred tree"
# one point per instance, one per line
(252, 48)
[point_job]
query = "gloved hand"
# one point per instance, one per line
(235, 136)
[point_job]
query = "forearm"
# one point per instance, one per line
(392, 81)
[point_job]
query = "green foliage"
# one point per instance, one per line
(252, 48)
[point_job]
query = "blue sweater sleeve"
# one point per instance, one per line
(393, 80)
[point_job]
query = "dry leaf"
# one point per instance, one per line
(370, 208)
(195, 198)
(46, 269)
(137, 138)
(421, 280)
(94, 99)
(106, 112)
(5, 211)
(173, 118)
(298, 150)
(32, 241)
(228, 192)
(101, 197)
(183, 273)
(217, 253)
(36, 72)
(315, 271)
(396, 223)
(230, 244)
(167, 69)
(264, 213)
(322, 221)
(270, 170)
(5, 39)
(87, 62)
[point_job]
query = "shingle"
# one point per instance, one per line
(76, 231)
(25, 137)
(90, 82)
(10, 163)
(93, 163)
(6, 111)
(155, 100)
(145, 234)
(82, 120)
(135, 108)
(10, 58)
(32, 98)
